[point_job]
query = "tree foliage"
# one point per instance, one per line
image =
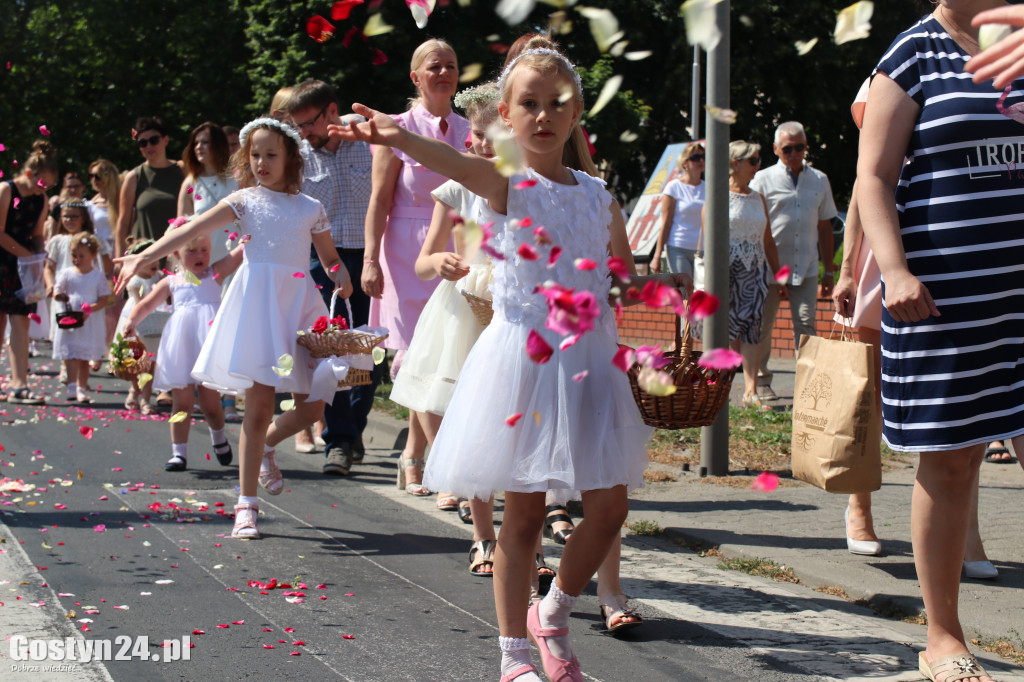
(88, 69)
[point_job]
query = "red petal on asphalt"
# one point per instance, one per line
(268, 629)
(289, 629)
(348, 636)
(295, 653)
(198, 632)
(268, 646)
(298, 642)
(86, 431)
(223, 626)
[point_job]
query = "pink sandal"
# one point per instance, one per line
(519, 672)
(245, 522)
(272, 481)
(557, 669)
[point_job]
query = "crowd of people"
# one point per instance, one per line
(408, 216)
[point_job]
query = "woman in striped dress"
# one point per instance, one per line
(947, 233)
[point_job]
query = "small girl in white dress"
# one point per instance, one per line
(80, 287)
(536, 409)
(195, 294)
(252, 345)
(148, 330)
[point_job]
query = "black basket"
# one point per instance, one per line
(77, 315)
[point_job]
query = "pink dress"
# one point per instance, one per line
(405, 294)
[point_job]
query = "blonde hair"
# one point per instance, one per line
(740, 150)
(88, 240)
(111, 185)
(688, 151)
(419, 55)
(279, 105)
(42, 159)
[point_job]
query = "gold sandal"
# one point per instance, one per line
(417, 489)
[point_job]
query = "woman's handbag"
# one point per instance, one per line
(30, 271)
(836, 417)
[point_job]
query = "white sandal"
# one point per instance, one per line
(417, 489)
(245, 522)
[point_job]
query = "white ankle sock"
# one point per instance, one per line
(265, 464)
(515, 653)
(72, 390)
(554, 612)
(242, 499)
(180, 450)
(217, 436)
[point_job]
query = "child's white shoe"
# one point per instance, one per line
(245, 522)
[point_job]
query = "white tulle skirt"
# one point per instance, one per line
(445, 333)
(263, 308)
(573, 436)
(180, 345)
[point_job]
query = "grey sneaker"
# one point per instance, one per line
(766, 394)
(339, 460)
(358, 451)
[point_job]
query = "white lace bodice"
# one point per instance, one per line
(747, 220)
(577, 218)
(186, 294)
(281, 225)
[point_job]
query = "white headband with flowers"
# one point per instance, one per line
(273, 123)
(541, 50)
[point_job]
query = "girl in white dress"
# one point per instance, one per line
(148, 330)
(195, 294)
(252, 345)
(526, 417)
(81, 287)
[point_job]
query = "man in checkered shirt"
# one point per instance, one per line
(337, 174)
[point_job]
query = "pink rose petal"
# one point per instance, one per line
(624, 358)
(512, 419)
(720, 358)
(765, 482)
(537, 348)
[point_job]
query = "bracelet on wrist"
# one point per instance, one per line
(369, 260)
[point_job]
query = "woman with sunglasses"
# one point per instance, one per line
(753, 258)
(103, 209)
(149, 194)
(681, 204)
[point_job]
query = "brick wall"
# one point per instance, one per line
(642, 325)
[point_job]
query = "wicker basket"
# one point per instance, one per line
(142, 363)
(343, 342)
(482, 308)
(700, 392)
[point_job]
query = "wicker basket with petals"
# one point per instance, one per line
(342, 342)
(700, 392)
(128, 358)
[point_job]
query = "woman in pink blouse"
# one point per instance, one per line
(396, 226)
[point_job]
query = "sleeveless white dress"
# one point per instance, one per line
(85, 342)
(270, 298)
(186, 330)
(447, 328)
(574, 435)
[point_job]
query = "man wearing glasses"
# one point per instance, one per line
(337, 174)
(801, 209)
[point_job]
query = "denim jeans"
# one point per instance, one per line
(680, 260)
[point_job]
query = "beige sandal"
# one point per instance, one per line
(417, 489)
(481, 552)
(613, 608)
(245, 522)
(959, 667)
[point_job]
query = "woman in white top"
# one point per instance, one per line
(207, 179)
(681, 204)
(103, 209)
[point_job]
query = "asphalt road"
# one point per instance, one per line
(386, 593)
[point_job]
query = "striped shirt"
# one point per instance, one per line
(958, 379)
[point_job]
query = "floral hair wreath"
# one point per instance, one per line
(284, 128)
(541, 50)
(75, 203)
(481, 93)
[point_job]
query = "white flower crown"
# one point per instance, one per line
(542, 50)
(273, 123)
(484, 93)
(74, 203)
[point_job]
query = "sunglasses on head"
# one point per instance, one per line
(146, 141)
(790, 148)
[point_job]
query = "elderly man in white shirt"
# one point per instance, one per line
(801, 209)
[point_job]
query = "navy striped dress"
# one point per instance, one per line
(957, 380)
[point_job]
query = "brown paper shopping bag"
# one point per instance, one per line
(835, 416)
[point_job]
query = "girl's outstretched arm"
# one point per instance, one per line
(434, 258)
(217, 217)
(475, 173)
(331, 262)
(229, 263)
(157, 295)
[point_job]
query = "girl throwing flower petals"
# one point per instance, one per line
(252, 345)
(539, 405)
